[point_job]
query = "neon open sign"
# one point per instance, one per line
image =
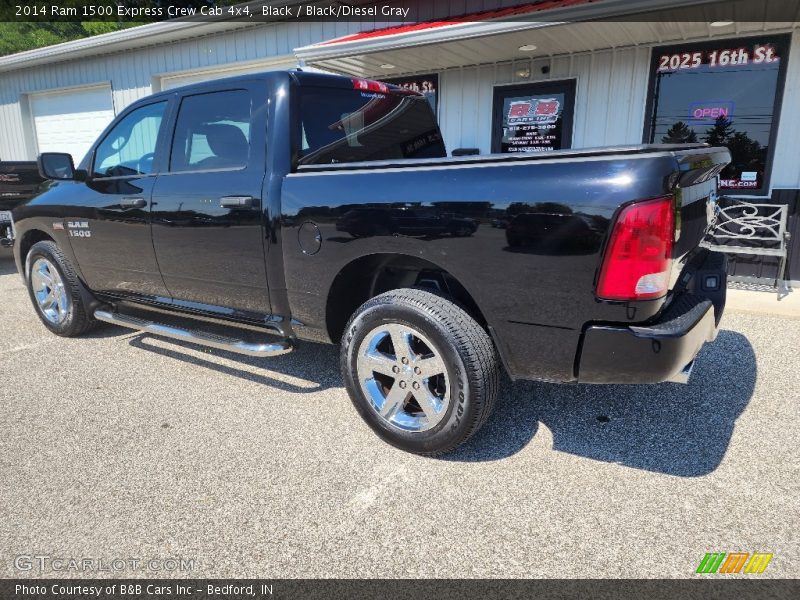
(701, 113)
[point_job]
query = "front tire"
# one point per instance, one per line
(55, 291)
(419, 370)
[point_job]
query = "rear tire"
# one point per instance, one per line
(421, 372)
(55, 291)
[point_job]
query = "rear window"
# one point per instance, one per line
(341, 125)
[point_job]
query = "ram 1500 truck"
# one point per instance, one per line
(223, 213)
(19, 181)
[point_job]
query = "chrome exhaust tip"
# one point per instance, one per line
(683, 375)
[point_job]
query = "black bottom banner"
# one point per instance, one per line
(332, 589)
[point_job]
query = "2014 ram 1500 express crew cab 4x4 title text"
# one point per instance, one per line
(317, 207)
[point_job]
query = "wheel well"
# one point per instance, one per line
(29, 239)
(369, 276)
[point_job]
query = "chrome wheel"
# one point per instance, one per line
(403, 375)
(49, 290)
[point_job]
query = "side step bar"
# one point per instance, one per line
(261, 350)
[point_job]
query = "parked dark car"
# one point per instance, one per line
(19, 181)
(366, 222)
(220, 202)
(565, 233)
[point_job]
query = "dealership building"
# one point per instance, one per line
(597, 75)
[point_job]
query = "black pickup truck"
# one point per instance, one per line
(218, 213)
(19, 181)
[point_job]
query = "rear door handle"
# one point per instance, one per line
(133, 203)
(236, 202)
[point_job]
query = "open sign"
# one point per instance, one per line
(706, 113)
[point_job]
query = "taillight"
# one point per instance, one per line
(369, 85)
(637, 261)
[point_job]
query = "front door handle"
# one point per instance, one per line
(236, 202)
(133, 203)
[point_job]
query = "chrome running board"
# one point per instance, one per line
(261, 350)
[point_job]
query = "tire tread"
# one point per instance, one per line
(473, 344)
(82, 322)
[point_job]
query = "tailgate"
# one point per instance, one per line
(694, 185)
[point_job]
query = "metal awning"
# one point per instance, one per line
(496, 36)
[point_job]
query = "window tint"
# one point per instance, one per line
(723, 93)
(130, 147)
(352, 125)
(212, 132)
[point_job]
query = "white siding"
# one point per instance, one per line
(609, 104)
(133, 74)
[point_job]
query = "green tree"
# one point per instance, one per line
(720, 133)
(747, 154)
(680, 133)
(19, 36)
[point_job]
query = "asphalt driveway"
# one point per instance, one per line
(124, 445)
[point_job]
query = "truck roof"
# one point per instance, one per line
(300, 77)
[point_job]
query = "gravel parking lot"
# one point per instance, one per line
(125, 445)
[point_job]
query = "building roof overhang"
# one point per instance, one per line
(533, 15)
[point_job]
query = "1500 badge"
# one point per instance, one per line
(79, 229)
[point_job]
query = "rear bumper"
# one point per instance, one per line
(651, 354)
(663, 350)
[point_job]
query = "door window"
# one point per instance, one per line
(534, 117)
(212, 132)
(130, 147)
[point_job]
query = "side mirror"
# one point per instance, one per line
(57, 165)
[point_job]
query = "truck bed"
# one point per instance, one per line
(579, 153)
(545, 293)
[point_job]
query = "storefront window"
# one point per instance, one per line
(724, 93)
(535, 117)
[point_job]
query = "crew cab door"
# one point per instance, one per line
(109, 227)
(208, 225)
